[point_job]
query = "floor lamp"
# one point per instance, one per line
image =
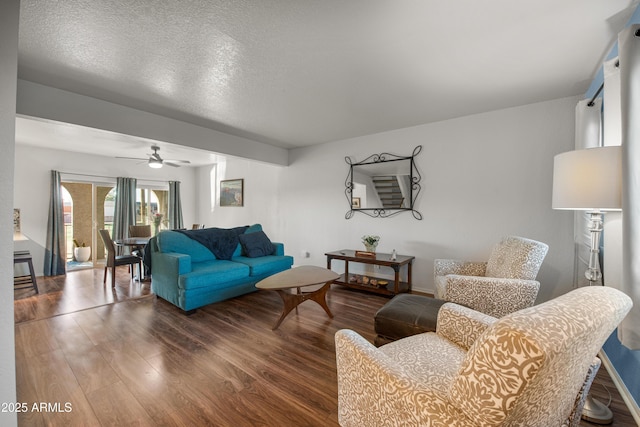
(590, 180)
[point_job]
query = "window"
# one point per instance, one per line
(152, 208)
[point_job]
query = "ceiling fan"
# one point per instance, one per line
(156, 162)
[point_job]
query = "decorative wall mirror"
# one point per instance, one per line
(383, 185)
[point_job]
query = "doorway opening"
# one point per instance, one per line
(76, 200)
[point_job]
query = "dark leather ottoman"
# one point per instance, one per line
(405, 315)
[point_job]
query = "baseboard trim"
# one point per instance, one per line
(634, 409)
(421, 291)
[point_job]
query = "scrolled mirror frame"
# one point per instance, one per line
(415, 178)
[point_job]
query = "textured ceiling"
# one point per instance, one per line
(296, 73)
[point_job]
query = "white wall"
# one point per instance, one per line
(483, 177)
(32, 179)
(9, 16)
(261, 195)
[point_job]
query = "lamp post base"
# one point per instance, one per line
(593, 273)
(596, 412)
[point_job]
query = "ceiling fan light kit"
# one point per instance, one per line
(155, 161)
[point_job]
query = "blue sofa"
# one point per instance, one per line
(185, 271)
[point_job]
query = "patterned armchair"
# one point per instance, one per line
(502, 285)
(523, 369)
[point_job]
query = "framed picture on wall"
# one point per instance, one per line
(232, 192)
(16, 221)
(355, 203)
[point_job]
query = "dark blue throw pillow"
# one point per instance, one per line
(256, 244)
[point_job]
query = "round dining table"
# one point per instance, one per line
(138, 242)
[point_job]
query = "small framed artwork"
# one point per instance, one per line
(16, 221)
(355, 203)
(232, 192)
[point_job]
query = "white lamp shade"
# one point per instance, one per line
(588, 179)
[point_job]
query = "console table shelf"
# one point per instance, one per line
(394, 286)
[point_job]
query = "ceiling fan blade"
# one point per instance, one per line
(131, 158)
(157, 160)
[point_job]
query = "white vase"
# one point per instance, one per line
(371, 247)
(82, 253)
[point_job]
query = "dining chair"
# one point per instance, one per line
(114, 260)
(139, 231)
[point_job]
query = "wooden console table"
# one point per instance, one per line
(393, 287)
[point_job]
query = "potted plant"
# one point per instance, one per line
(81, 252)
(370, 242)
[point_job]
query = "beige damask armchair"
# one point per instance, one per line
(523, 369)
(502, 285)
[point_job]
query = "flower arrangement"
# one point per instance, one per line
(157, 219)
(370, 240)
(78, 245)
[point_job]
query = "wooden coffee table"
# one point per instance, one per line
(297, 278)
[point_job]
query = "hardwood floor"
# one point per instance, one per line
(76, 291)
(140, 361)
(606, 392)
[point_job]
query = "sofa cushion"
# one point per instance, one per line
(266, 264)
(428, 365)
(253, 228)
(256, 244)
(250, 229)
(222, 242)
(213, 273)
(172, 241)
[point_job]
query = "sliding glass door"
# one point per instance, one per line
(89, 207)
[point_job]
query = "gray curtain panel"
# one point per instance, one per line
(125, 209)
(629, 49)
(175, 206)
(54, 253)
